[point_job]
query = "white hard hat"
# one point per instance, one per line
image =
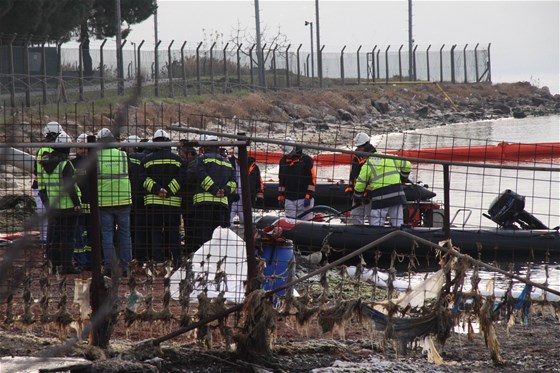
(104, 133)
(161, 135)
(52, 127)
(361, 138)
(287, 148)
(63, 138)
(82, 138)
(133, 139)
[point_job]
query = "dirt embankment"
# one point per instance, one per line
(387, 107)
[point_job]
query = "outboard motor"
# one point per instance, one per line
(507, 210)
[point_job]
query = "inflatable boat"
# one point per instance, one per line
(518, 235)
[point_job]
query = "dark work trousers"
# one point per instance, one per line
(61, 235)
(207, 217)
(82, 244)
(164, 224)
(140, 232)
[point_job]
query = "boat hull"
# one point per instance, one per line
(485, 244)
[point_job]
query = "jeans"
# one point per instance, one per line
(120, 217)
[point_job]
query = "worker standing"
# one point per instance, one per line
(215, 183)
(256, 186)
(50, 133)
(362, 144)
(141, 249)
(63, 202)
(163, 183)
(114, 199)
(297, 180)
(383, 177)
(82, 245)
(189, 156)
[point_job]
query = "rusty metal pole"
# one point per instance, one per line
(170, 69)
(139, 73)
(183, 70)
(465, 62)
(212, 67)
(428, 61)
(358, 64)
(387, 64)
(342, 64)
(224, 89)
(373, 63)
(198, 68)
(252, 281)
(414, 63)
(251, 79)
(441, 63)
(288, 65)
(44, 70)
(239, 65)
(400, 63)
(156, 69)
(27, 73)
(446, 202)
(476, 62)
(453, 63)
(298, 67)
(101, 70)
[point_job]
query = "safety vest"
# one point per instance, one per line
(81, 173)
(59, 198)
(39, 168)
(218, 171)
(382, 177)
(113, 185)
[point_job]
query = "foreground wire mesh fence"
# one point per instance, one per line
(166, 281)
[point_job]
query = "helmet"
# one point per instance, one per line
(287, 148)
(82, 138)
(361, 139)
(132, 139)
(52, 127)
(63, 138)
(161, 135)
(105, 133)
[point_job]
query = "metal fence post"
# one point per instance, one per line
(373, 63)
(12, 71)
(156, 69)
(414, 63)
(44, 71)
(342, 65)
(81, 72)
(489, 65)
(465, 61)
(183, 70)
(139, 74)
(239, 65)
(251, 79)
(298, 67)
(170, 69)
(102, 70)
(387, 64)
(263, 67)
(225, 69)
(441, 63)
(476, 61)
(358, 62)
(428, 61)
(27, 74)
(288, 66)
(274, 71)
(212, 67)
(377, 60)
(400, 63)
(198, 68)
(453, 63)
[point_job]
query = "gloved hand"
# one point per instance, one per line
(259, 202)
(306, 202)
(281, 204)
(162, 193)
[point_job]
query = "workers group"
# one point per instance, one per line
(143, 194)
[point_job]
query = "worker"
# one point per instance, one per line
(163, 183)
(115, 200)
(382, 178)
(362, 144)
(256, 186)
(189, 156)
(139, 232)
(215, 183)
(297, 180)
(64, 205)
(82, 244)
(50, 133)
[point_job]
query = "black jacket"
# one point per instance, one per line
(297, 177)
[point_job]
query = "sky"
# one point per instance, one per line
(524, 35)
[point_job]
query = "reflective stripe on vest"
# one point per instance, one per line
(208, 197)
(154, 199)
(112, 178)
(39, 166)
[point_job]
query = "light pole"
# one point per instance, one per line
(310, 24)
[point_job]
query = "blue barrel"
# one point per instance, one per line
(277, 257)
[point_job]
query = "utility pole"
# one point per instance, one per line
(410, 42)
(319, 53)
(260, 57)
(120, 70)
